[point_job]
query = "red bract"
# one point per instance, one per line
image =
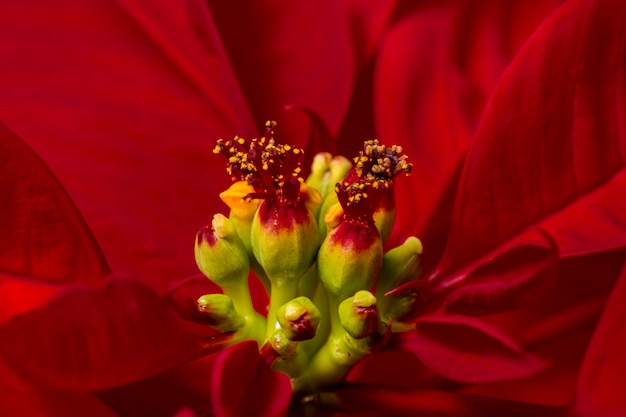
(515, 126)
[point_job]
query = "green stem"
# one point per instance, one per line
(328, 367)
(320, 299)
(255, 323)
(281, 292)
(243, 230)
(333, 360)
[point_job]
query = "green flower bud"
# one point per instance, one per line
(336, 168)
(220, 312)
(299, 319)
(284, 240)
(400, 265)
(220, 253)
(320, 172)
(359, 315)
(326, 171)
(281, 344)
(350, 259)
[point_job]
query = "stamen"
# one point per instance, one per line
(274, 170)
(375, 168)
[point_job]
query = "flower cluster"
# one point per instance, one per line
(327, 307)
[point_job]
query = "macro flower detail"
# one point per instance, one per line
(512, 113)
(322, 318)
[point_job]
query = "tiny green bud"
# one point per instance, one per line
(320, 171)
(281, 344)
(400, 265)
(339, 167)
(326, 171)
(284, 240)
(220, 312)
(359, 315)
(299, 319)
(220, 253)
(336, 168)
(350, 259)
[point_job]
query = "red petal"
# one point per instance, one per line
(56, 404)
(373, 400)
(290, 53)
(558, 330)
(395, 368)
(517, 275)
(19, 295)
(244, 385)
(45, 241)
(593, 223)
(437, 67)
(124, 101)
(43, 235)
(184, 387)
(603, 374)
(552, 137)
(468, 350)
(94, 339)
(369, 19)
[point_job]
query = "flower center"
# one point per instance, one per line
(342, 269)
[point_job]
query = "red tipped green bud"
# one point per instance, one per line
(359, 315)
(378, 165)
(220, 312)
(401, 264)
(220, 253)
(350, 259)
(284, 240)
(299, 319)
(284, 235)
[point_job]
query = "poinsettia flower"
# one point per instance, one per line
(122, 103)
